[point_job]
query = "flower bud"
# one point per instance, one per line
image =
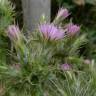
(13, 32)
(72, 29)
(65, 67)
(62, 13)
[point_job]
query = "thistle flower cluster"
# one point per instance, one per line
(53, 32)
(50, 31)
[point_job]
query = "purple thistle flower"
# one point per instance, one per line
(51, 32)
(62, 13)
(72, 29)
(65, 67)
(13, 32)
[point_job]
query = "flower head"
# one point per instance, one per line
(13, 32)
(65, 67)
(63, 13)
(72, 29)
(51, 32)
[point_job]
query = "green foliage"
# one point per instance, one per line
(6, 18)
(6, 14)
(82, 84)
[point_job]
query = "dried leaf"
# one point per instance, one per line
(79, 2)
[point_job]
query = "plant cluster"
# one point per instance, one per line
(46, 62)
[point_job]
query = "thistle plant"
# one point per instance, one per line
(47, 62)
